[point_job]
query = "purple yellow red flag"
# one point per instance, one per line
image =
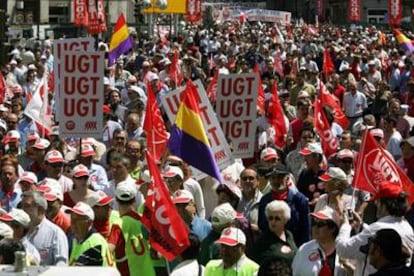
(120, 42)
(404, 42)
(188, 138)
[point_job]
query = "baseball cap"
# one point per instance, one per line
(41, 144)
(17, 215)
(54, 156)
(53, 194)
(333, 173)
(223, 214)
(232, 236)
(391, 244)
(82, 209)
(371, 62)
(125, 191)
(80, 170)
(12, 136)
(327, 213)
(388, 189)
(182, 196)
(47, 184)
(32, 136)
(312, 148)
(6, 231)
(28, 177)
(278, 169)
(99, 198)
(268, 153)
(233, 189)
(134, 88)
(377, 132)
(153, 77)
(173, 171)
(87, 150)
(345, 153)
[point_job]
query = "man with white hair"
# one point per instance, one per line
(48, 238)
(354, 104)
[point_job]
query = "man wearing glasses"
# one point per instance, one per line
(54, 162)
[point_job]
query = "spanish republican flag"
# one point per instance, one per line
(188, 138)
(120, 42)
(404, 42)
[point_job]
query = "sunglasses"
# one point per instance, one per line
(319, 224)
(276, 218)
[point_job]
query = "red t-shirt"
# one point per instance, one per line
(62, 221)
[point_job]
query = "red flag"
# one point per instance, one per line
(328, 140)
(278, 65)
(354, 10)
(375, 165)
(97, 17)
(212, 87)
(260, 92)
(328, 66)
(175, 70)
(329, 99)
(276, 118)
(154, 127)
(193, 11)
(51, 82)
(211, 62)
(168, 233)
(394, 13)
(2, 88)
(80, 13)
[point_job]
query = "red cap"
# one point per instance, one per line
(388, 190)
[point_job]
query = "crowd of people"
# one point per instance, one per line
(285, 211)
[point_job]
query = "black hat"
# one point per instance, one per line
(278, 169)
(391, 244)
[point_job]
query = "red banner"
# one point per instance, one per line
(374, 166)
(97, 17)
(354, 10)
(193, 12)
(175, 73)
(329, 99)
(320, 9)
(80, 13)
(276, 118)
(168, 233)
(328, 140)
(394, 13)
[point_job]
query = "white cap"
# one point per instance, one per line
(345, 153)
(28, 177)
(333, 173)
(17, 215)
(327, 213)
(82, 209)
(232, 236)
(154, 76)
(41, 144)
(173, 171)
(125, 191)
(53, 194)
(80, 170)
(223, 214)
(54, 156)
(268, 153)
(182, 196)
(99, 198)
(377, 132)
(312, 148)
(6, 231)
(47, 184)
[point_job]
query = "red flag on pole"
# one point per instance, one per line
(2, 88)
(168, 233)
(276, 118)
(328, 140)
(328, 66)
(212, 87)
(154, 126)
(260, 92)
(175, 71)
(80, 13)
(329, 99)
(375, 165)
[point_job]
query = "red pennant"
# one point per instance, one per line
(175, 71)
(329, 99)
(278, 65)
(154, 127)
(276, 118)
(168, 233)
(97, 17)
(260, 92)
(80, 10)
(328, 66)
(212, 87)
(375, 165)
(328, 140)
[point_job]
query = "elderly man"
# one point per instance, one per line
(354, 104)
(48, 238)
(89, 248)
(233, 260)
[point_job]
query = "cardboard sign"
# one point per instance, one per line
(84, 44)
(171, 102)
(236, 111)
(263, 15)
(81, 97)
